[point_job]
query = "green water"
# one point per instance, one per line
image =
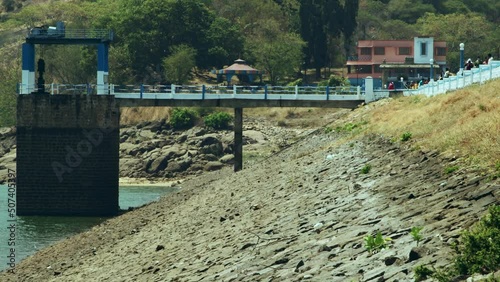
(36, 232)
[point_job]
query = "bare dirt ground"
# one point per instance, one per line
(300, 214)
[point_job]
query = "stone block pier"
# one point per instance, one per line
(67, 155)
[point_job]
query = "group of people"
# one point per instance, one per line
(469, 64)
(447, 73)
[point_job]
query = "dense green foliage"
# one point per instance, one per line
(218, 120)
(477, 251)
(479, 248)
(335, 80)
(178, 65)
(182, 118)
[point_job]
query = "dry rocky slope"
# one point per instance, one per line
(299, 215)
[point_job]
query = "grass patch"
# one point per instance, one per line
(451, 169)
(350, 127)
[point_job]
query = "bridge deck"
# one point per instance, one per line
(238, 103)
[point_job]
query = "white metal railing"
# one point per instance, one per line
(144, 91)
(477, 75)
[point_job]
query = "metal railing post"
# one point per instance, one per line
(203, 92)
(142, 89)
(234, 90)
(327, 92)
(265, 92)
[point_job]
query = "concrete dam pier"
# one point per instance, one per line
(67, 155)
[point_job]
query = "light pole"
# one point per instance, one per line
(431, 78)
(462, 45)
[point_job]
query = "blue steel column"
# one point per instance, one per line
(28, 73)
(102, 69)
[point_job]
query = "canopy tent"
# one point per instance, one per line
(239, 68)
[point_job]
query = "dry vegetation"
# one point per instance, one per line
(464, 123)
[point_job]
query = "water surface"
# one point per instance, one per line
(36, 232)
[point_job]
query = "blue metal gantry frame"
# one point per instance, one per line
(61, 36)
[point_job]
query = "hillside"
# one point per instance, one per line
(304, 212)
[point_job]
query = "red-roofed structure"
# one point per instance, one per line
(239, 68)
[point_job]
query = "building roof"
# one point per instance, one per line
(239, 67)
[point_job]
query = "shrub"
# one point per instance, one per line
(298, 82)
(182, 118)
(218, 120)
(335, 80)
(406, 136)
(373, 244)
(415, 233)
(366, 169)
(422, 272)
(479, 248)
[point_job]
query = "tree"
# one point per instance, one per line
(472, 29)
(408, 10)
(349, 23)
(225, 41)
(281, 57)
(313, 31)
(179, 65)
(370, 18)
(8, 5)
(397, 30)
(148, 28)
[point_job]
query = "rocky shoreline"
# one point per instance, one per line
(152, 152)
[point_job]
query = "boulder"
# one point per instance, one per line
(174, 151)
(215, 149)
(207, 157)
(197, 131)
(126, 148)
(211, 166)
(179, 166)
(181, 139)
(158, 164)
(227, 159)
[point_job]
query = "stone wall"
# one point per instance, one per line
(67, 155)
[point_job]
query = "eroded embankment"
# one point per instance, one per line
(263, 223)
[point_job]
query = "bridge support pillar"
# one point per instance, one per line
(67, 155)
(238, 139)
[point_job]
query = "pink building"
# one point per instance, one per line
(389, 60)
